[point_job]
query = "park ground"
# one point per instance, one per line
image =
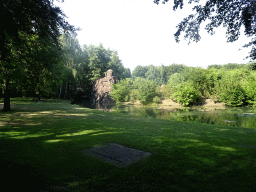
(41, 146)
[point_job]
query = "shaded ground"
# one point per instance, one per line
(116, 154)
(41, 144)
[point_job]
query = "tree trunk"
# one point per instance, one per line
(7, 105)
(60, 91)
(66, 90)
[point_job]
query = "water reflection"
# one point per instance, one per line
(100, 106)
(236, 117)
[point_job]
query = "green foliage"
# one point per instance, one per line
(156, 99)
(175, 68)
(234, 66)
(29, 44)
(230, 92)
(252, 65)
(121, 91)
(250, 92)
(227, 84)
(214, 66)
(139, 71)
(218, 13)
(230, 66)
(87, 64)
(186, 94)
(200, 78)
(176, 79)
(165, 91)
(159, 74)
(249, 87)
(146, 90)
(133, 95)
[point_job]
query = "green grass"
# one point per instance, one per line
(41, 144)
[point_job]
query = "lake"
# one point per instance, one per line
(235, 116)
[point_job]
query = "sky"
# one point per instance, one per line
(143, 33)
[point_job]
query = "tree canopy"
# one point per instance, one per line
(84, 64)
(232, 14)
(29, 38)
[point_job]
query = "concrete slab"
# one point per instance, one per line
(116, 154)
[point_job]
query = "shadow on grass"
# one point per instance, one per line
(41, 150)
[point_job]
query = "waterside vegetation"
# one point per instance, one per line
(234, 84)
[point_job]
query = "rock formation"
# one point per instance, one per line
(102, 88)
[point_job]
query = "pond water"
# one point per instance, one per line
(235, 116)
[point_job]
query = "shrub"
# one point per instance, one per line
(165, 91)
(146, 90)
(250, 91)
(230, 92)
(176, 79)
(120, 91)
(133, 95)
(156, 99)
(186, 94)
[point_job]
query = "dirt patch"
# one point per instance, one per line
(210, 103)
(169, 102)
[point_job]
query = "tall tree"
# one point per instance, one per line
(72, 53)
(232, 14)
(19, 21)
(117, 66)
(139, 71)
(99, 58)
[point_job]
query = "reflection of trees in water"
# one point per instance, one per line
(226, 117)
(99, 105)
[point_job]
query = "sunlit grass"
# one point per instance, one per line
(224, 148)
(56, 140)
(43, 142)
(78, 133)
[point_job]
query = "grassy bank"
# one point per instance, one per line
(41, 144)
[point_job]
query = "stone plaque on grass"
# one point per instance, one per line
(116, 154)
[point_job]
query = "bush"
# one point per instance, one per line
(156, 99)
(176, 79)
(120, 92)
(146, 90)
(250, 91)
(133, 95)
(165, 91)
(201, 79)
(186, 94)
(230, 92)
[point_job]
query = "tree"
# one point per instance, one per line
(174, 68)
(146, 90)
(21, 22)
(127, 73)
(229, 13)
(139, 71)
(117, 66)
(186, 94)
(120, 91)
(176, 79)
(73, 57)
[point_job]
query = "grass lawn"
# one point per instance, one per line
(41, 144)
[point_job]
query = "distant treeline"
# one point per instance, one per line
(232, 83)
